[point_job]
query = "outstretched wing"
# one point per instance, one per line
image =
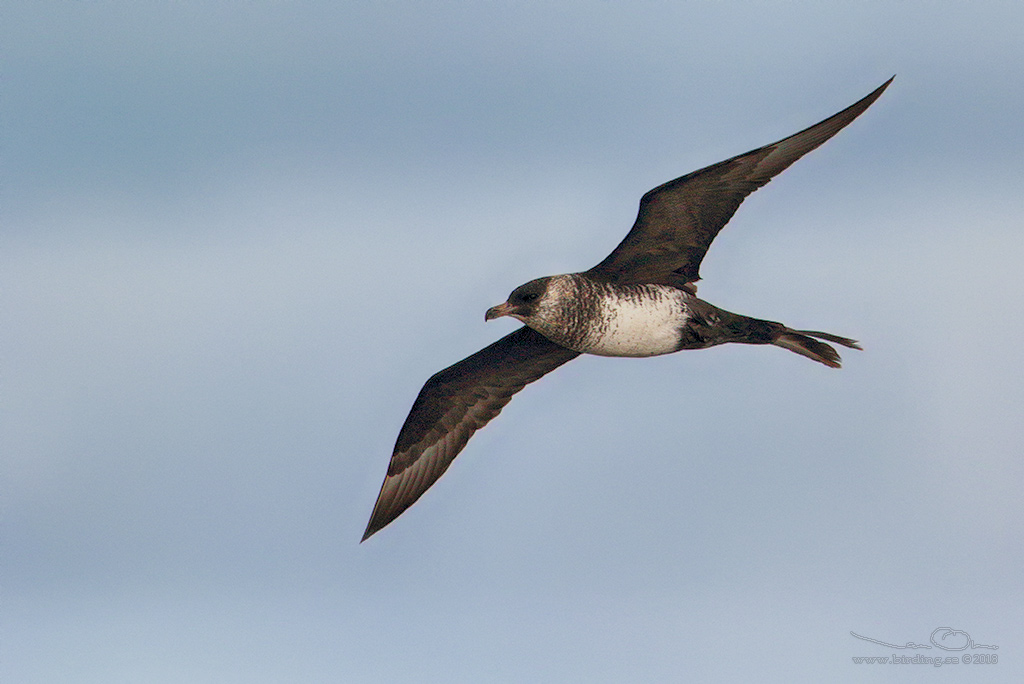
(454, 404)
(678, 220)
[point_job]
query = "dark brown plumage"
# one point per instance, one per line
(678, 220)
(452, 405)
(675, 226)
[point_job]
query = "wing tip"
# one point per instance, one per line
(876, 93)
(385, 509)
(861, 105)
(379, 519)
(382, 513)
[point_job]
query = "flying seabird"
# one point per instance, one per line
(640, 301)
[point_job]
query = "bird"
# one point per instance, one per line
(640, 301)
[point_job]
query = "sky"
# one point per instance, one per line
(236, 238)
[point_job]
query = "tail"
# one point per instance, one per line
(708, 325)
(802, 342)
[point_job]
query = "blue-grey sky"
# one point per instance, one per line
(237, 239)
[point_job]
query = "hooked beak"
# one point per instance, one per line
(505, 309)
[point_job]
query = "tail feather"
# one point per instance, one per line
(802, 342)
(709, 325)
(845, 341)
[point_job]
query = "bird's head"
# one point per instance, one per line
(525, 302)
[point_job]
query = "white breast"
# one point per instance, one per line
(644, 323)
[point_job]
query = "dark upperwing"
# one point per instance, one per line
(675, 226)
(454, 404)
(678, 220)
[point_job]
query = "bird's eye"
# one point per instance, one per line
(529, 297)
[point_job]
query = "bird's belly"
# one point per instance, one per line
(638, 329)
